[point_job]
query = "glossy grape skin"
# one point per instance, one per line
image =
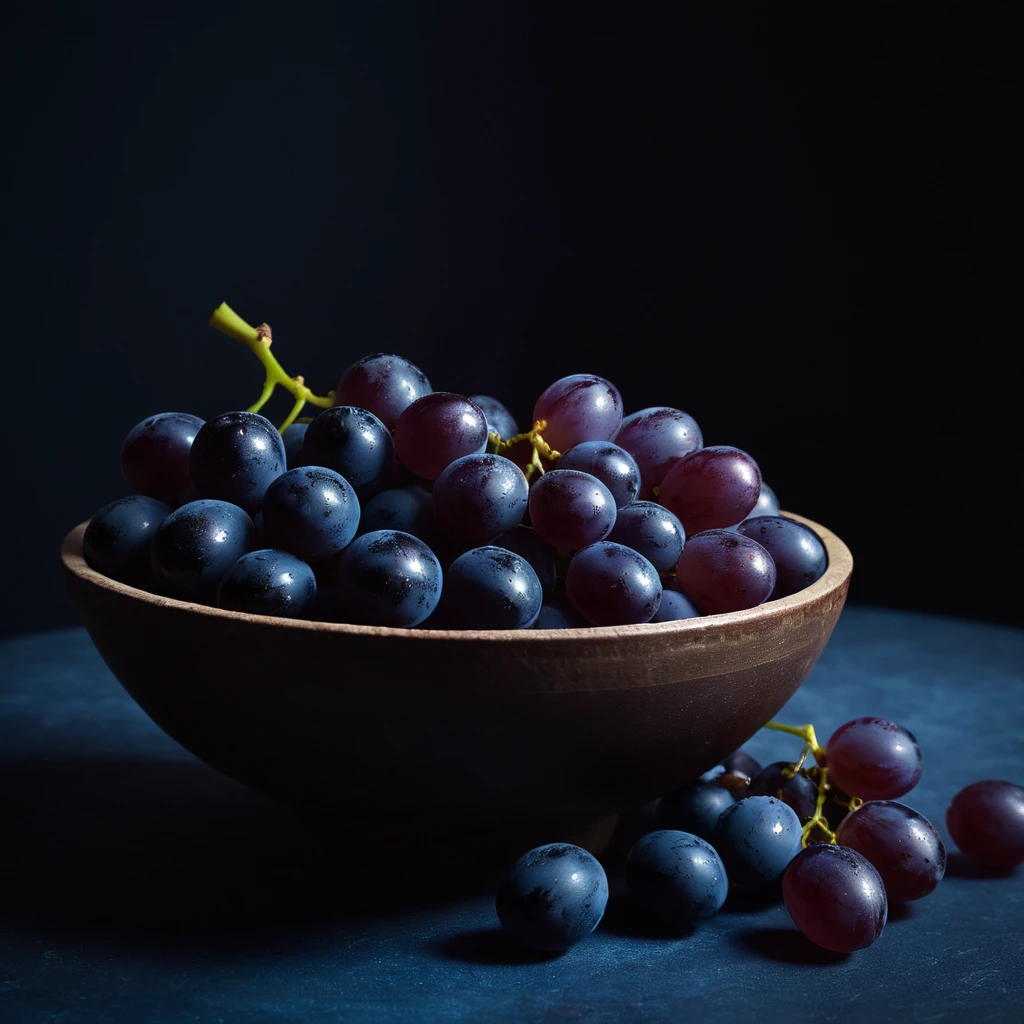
(492, 588)
(612, 465)
(712, 488)
(835, 897)
(553, 897)
(677, 875)
(741, 761)
(409, 509)
(557, 612)
(650, 528)
(570, 509)
(796, 550)
(388, 578)
(721, 571)
(542, 556)
(757, 838)
(352, 442)
(579, 408)
(479, 496)
(499, 420)
(767, 503)
(311, 511)
(902, 844)
(874, 759)
(612, 585)
(800, 791)
(385, 385)
(657, 438)
(294, 437)
(674, 607)
(986, 821)
(155, 455)
(119, 536)
(438, 429)
(695, 808)
(197, 544)
(268, 582)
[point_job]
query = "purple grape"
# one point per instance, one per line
(757, 838)
(712, 488)
(570, 509)
(438, 429)
(796, 550)
(311, 512)
(657, 438)
(385, 385)
(155, 455)
(492, 588)
(612, 465)
(741, 761)
(903, 845)
(835, 897)
(557, 612)
(800, 791)
(612, 585)
(721, 571)
(579, 408)
(352, 442)
(650, 528)
(268, 582)
(499, 420)
(986, 821)
(542, 556)
(675, 606)
(479, 496)
(118, 539)
(874, 759)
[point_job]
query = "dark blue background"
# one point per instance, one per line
(800, 225)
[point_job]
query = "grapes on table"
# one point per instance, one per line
(756, 838)
(694, 807)
(874, 759)
(986, 821)
(795, 788)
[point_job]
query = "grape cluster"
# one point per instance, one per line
(833, 840)
(399, 505)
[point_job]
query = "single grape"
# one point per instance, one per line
(741, 761)
(800, 791)
(658, 438)
(499, 420)
(409, 509)
(524, 542)
(197, 544)
(570, 509)
(677, 875)
(757, 837)
(385, 385)
(903, 845)
(579, 408)
(711, 488)
(874, 759)
(294, 437)
(650, 528)
(767, 503)
(720, 571)
(352, 442)
(479, 496)
(796, 550)
(118, 539)
(312, 512)
(986, 821)
(612, 585)
(612, 465)
(553, 897)
(267, 582)
(557, 612)
(674, 606)
(695, 807)
(155, 455)
(492, 588)
(388, 578)
(438, 429)
(835, 897)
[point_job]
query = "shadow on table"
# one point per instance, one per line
(786, 946)
(958, 865)
(487, 947)
(170, 853)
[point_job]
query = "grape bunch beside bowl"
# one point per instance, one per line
(429, 666)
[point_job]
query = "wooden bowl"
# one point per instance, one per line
(468, 745)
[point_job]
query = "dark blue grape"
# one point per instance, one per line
(557, 612)
(492, 588)
(499, 420)
(312, 512)
(196, 545)
(796, 550)
(612, 465)
(479, 496)
(678, 876)
(294, 437)
(119, 536)
(650, 528)
(757, 838)
(674, 606)
(408, 509)
(554, 896)
(268, 582)
(388, 578)
(235, 458)
(155, 455)
(352, 442)
(612, 585)
(542, 556)
(694, 807)
(799, 791)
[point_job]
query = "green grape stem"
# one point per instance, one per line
(540, 447)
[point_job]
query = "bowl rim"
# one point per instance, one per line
(836, 575)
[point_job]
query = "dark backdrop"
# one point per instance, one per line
(800, 225)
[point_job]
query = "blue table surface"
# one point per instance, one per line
(139, 885)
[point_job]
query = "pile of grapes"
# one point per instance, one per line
(398, 505)
(785, 829)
